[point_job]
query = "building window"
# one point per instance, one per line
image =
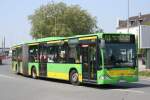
(132, 22)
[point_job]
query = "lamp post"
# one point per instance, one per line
(139, 24)
(128, 15)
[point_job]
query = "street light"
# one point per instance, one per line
(128, 15)
(139, 24)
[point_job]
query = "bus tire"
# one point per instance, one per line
(74, 77)
(33, 73)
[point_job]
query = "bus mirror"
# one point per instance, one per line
(102, 44)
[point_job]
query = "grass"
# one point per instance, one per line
(145, 73)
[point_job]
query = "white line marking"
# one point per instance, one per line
(5, 76)
(129, 90)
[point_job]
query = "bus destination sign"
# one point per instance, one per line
(124, 38)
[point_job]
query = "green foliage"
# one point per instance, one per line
(58, 19)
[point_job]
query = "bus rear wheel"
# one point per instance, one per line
(74, 77)
(33, 73)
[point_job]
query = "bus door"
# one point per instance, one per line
(19, 58)
(89, 62)
(25, 58)
(43, 60)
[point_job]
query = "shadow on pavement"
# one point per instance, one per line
(55, 80)
(105, 87)
(118, 86)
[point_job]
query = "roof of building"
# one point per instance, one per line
(135, 21)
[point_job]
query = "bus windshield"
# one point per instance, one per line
(120, 55)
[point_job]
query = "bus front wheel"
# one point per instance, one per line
(74, 77)
(33, 73)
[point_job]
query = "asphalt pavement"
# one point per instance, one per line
(18, 87)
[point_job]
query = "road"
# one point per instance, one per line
(17, 87)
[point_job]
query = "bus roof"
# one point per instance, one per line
(46, 39)
(61, 38)
(41, 40)
(100, 35)
(77, 36)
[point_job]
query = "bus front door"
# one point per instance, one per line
(89, 62)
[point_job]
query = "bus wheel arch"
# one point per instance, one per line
(33, 72)
(74, 76)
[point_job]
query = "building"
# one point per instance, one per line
(135, 21)
(140, 26)
(4, 51)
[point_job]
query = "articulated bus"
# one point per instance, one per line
(100, 58)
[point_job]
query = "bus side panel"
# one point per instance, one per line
(61, 71)
(30, 65)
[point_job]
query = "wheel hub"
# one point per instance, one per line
(74, 77)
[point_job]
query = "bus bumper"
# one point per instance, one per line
(118, 79)
(104, 78)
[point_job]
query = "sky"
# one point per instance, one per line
(15, 26)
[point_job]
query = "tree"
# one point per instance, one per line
(59, 19)
(98, 30)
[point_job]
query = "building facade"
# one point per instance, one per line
(140, 26)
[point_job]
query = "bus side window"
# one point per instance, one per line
(14, 55)
(19, 54)
(31, 58)
(51, 54)
(42, 53)
(72, 54)
(33, 54)
(61, 54)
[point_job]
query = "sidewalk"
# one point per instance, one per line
(141, 66)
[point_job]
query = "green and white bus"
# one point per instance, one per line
(100, 58)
